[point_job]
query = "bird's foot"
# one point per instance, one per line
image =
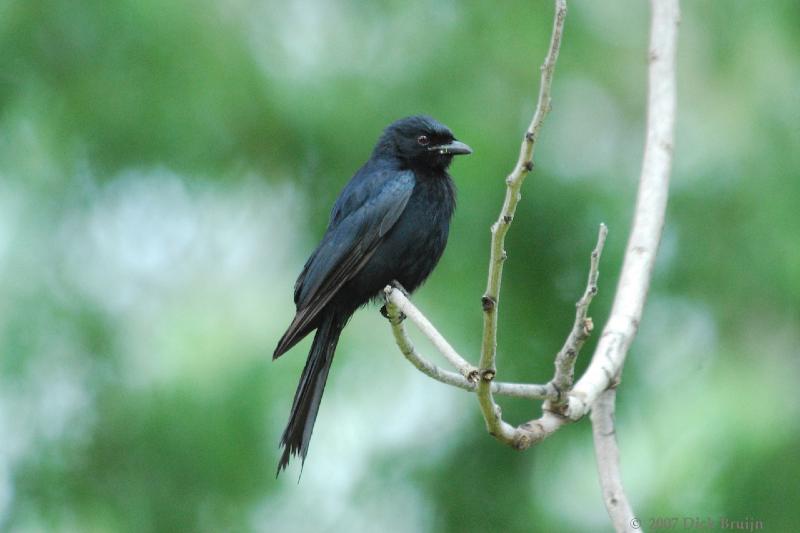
(385, 314)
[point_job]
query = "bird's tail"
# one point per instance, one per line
(307, 398)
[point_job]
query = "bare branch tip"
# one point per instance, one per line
(516, 437)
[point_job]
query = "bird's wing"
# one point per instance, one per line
(344, 250)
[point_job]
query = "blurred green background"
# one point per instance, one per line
(166, 167)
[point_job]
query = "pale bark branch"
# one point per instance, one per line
(552, 418)
(404, 305)
(597, 387)
(648, 219)
(491, 297)
(396, 300)
(607, 455)
(583, 326)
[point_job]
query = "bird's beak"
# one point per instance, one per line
(454, 147)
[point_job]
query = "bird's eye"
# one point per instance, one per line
(423, 140)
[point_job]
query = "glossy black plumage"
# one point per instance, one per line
(390, 222)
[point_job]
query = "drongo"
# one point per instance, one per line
(390, 223)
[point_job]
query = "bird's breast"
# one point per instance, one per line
(412, 248)
(417, 241)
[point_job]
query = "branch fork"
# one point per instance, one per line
(565, 401)
(472, 379)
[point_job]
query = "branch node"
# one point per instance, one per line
(522, 442)
(528, 166)
(559, 399)
(488, 374)
(507, 219)
(530, 136)
(488, 303)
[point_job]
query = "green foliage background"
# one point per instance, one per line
(165, 167)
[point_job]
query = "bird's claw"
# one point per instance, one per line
(399, 286)
(385, 314)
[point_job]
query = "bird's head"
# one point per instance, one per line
(420, 142)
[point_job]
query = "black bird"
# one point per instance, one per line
(390, 223)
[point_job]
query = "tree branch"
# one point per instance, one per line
(597, 388)
(491, 297)
(395, 300)
(581, 329)
(552, 418)
(404, 305)
(648, 220)
(607, 455)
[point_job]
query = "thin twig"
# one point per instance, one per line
(582, 327)
(607, 455)
(490, 299)
(523, 390)
(553, 418)
(648, 220)
(398, 299)
(517, 390)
